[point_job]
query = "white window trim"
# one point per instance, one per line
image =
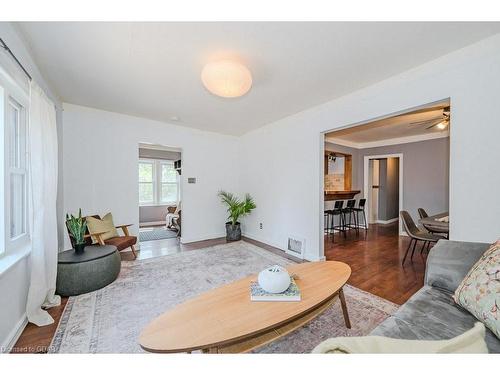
(157, 183)
(160, 183)
(18, 247)
(154, 182)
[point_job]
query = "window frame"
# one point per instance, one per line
(158, 183)
(153, 181)
(20, 169)
(161, 183)
(11, 94)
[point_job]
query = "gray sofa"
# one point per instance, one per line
(431, 313)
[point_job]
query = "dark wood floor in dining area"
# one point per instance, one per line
(375, 258)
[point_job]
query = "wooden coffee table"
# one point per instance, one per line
(224, 320)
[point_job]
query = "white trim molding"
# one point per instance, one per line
(365, 182)
(387, 221)
(388, 142)
(14, 335)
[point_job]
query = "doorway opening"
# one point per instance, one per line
(377, 169)
(383, 182)
(159, 197)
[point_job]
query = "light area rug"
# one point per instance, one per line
(110, 320)
(156, 234)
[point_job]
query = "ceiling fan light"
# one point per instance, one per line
(226, 78)
(441, 125)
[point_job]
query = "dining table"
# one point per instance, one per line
(439, 221)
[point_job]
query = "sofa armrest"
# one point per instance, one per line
(449, 262)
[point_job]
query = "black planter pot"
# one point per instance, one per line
(233, 232)
(79, 248)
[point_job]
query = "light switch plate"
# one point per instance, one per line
(191, 180)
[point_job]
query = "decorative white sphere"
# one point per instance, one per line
(274, 279)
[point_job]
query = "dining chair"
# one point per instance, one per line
(431, 229)
(416, 235)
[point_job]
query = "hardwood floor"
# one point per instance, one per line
(375, 258)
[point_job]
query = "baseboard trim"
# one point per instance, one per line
(272, 249)
(152, 224)
(260, 239)
(214, 236)
(278, 247)
(14, 335)
(387, 221)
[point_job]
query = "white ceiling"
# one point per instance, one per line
(404, 127)
(153, 70)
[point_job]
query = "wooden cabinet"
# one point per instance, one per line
(338, 183)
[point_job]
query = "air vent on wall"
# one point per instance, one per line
(296, 246)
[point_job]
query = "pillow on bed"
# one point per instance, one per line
(479, 292)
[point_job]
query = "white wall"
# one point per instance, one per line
(283, 162)
(100, 168)
(14, 281)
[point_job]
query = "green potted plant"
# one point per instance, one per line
(236, 208)
(77, 226)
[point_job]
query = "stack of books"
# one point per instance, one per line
(292, 294)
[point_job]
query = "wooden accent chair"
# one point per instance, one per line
(121, 242)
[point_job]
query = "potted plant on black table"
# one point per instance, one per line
(77, 226)
(236, 209)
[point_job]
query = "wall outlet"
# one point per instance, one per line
(260, 225)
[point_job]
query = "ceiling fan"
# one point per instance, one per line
(441, 122)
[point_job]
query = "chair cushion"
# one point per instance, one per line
(102, 225)
(431, 314)
(479, 291)
(121, 242)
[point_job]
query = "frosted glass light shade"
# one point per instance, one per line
(226, 78)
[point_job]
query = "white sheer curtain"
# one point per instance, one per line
(42, 148)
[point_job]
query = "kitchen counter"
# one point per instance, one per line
(334, 195)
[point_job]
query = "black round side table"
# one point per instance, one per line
(82, 273)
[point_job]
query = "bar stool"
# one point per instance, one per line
(349, 211)
(326, 220)
(338, 211)
(359, 209)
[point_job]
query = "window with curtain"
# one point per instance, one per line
(158, 182)
(14, 222)
(16, 130)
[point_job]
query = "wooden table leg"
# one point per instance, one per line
(344, 308)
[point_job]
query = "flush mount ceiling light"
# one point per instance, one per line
(226, 78)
